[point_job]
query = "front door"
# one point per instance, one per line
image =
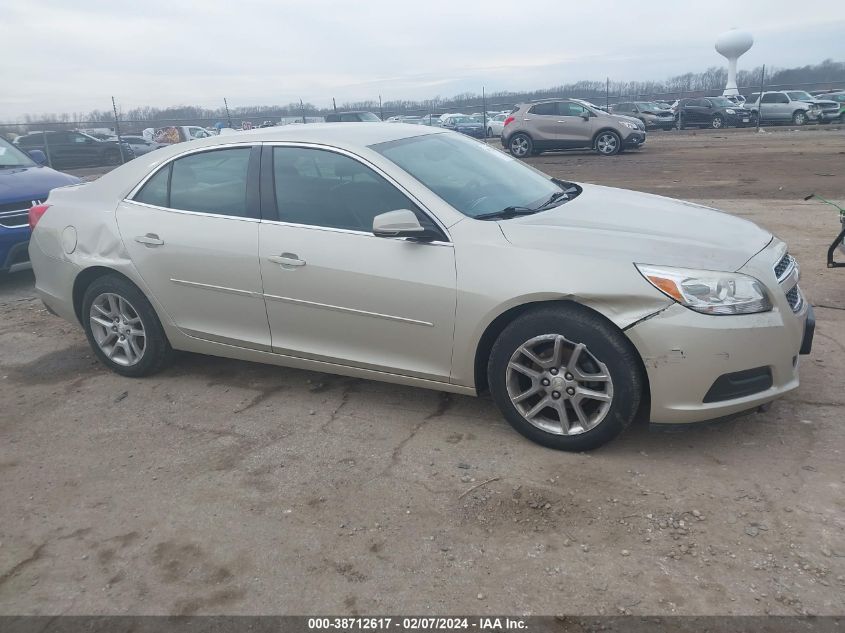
(575, 124)
(192, 233)
(333, 290)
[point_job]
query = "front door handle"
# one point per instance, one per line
(287, 260)
(150, 240)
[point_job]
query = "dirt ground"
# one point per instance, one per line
(229, 487)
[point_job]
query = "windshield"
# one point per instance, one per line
(11, 156)
(459, 120)
(648, 105)
(472, 177)
(721, 102)
(369, 116)
(799, 95)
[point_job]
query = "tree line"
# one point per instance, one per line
(825, 74)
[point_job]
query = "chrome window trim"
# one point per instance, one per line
(186, 212)
(357, 157)
(355, 232)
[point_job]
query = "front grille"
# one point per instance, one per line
(14, 219)
(783, 266)
(19, 205)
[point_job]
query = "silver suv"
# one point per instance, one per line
(782, 107)
(568, 124)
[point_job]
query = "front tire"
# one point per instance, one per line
(718, 122)
(608, 143)
(565, 377)
(520, 145)
(489, 132)
(799, 118)
(123, 329)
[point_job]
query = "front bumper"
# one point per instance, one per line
(830, 115)
(742, 119)
(660, 122)
(702, 367)
(13, 249)
(634, 139)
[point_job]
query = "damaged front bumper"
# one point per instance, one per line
(701, 367)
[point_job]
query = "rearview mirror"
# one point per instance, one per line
(38, 156)
(400, 223)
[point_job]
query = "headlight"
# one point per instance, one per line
(628, 124)
(708, 291)
(730, 111)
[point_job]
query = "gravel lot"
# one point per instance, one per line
(228, 487)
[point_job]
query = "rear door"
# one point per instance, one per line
(334, 291)
(191, 231)
(541, 121)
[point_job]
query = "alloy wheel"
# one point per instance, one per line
(607, 143)
(117, 329)
(559, 386)
(519, 146)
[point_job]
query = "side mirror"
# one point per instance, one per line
(585, 116)
(38, 156)
(400, 223)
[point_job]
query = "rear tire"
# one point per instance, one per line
(596, 410)
(520, 145)
(489, 132)
(113, 308)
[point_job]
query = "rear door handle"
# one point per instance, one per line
(287, 260)
(150, 240)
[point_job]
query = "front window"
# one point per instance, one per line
(800, 95)
(11, 156)
(472, 177)
(318, 187)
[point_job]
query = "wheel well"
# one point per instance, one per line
(85, 279)
(601, 131)
(488, 339)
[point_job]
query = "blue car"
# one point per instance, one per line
(24, 182)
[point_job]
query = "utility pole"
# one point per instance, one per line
(484, 109)
(302, 109)
(380, 110)
(334, 105)
(117, 132)
(607, 94)
(228, 116)
(760, 107)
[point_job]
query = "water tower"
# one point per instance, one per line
(732, 44)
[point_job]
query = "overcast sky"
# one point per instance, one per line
(73, 55)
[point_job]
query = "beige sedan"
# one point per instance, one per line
(418, 256)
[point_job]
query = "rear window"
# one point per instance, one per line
(544, 108)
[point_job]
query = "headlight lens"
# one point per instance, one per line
(628, 124)
(730, 111)
(708, 291)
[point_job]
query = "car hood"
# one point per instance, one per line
(31, 183)
(659, 112)
(634, 227)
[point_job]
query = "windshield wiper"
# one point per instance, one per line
(504, 214)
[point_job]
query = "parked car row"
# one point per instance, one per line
(68, 150)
